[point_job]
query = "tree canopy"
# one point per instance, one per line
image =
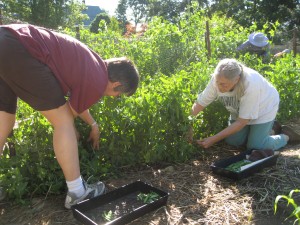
(95, 25)
(46, 13)
(244, 12)
(67, 13)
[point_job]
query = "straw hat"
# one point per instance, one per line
(258, 39)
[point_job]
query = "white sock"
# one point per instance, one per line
(76, 186)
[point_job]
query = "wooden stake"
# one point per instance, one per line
(207, 40)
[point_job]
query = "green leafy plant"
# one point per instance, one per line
(236, 167)
(149, 127)
(290, 200)
(148, 198)
(108, 216)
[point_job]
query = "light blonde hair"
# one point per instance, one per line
(231, 69)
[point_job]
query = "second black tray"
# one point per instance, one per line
(219, 167)
(121, 202)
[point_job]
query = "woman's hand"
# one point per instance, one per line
(189, 135)
(94, 136)
(207, 142)
(232, 129)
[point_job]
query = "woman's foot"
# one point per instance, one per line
(294, 137)
(277, 129)
(260, 154)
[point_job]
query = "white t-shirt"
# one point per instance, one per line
(259, 102)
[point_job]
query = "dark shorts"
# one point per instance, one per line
(23, 76)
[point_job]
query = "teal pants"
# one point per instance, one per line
(257, 136)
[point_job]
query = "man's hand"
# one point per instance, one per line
(94, 136)
(77, 134)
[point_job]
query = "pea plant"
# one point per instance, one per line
(150, 126)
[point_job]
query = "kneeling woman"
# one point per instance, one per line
(252, 102)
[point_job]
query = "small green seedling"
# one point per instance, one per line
(236, 167)
(107, 216)
(290, 200)
(148, 198)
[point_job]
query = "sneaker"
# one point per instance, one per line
(293, 136)
(2, 193)
(91, 190)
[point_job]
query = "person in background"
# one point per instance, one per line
(253, 104)
(279, 55)
(258, 44)
(282, 53)
(61, 78)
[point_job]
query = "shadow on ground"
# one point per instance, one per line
(197, 196)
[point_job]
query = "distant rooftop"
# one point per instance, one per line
(92, 12)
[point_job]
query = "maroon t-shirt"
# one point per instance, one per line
(81, 72)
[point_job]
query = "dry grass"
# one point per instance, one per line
(197, 196)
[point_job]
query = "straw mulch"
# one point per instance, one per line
(196, 195)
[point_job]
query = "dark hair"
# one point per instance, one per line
(123, 70)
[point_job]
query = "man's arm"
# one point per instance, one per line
(95, 132)
(85, 116)
(88, 118)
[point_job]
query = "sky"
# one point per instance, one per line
(108, 5)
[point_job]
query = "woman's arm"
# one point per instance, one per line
(196, 108)
(232, 129)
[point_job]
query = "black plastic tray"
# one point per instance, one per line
(219, 167)
(122, 202)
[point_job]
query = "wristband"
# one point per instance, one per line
(93, 124)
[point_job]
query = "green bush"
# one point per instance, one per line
(150, 126)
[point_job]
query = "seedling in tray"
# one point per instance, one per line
(120, 206)
(108, 216)
(236, 167)
(148, 198)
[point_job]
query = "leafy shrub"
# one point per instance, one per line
(150, 126)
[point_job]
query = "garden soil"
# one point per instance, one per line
(197, 196)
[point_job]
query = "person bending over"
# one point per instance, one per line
(257, 44)
(61, 78)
